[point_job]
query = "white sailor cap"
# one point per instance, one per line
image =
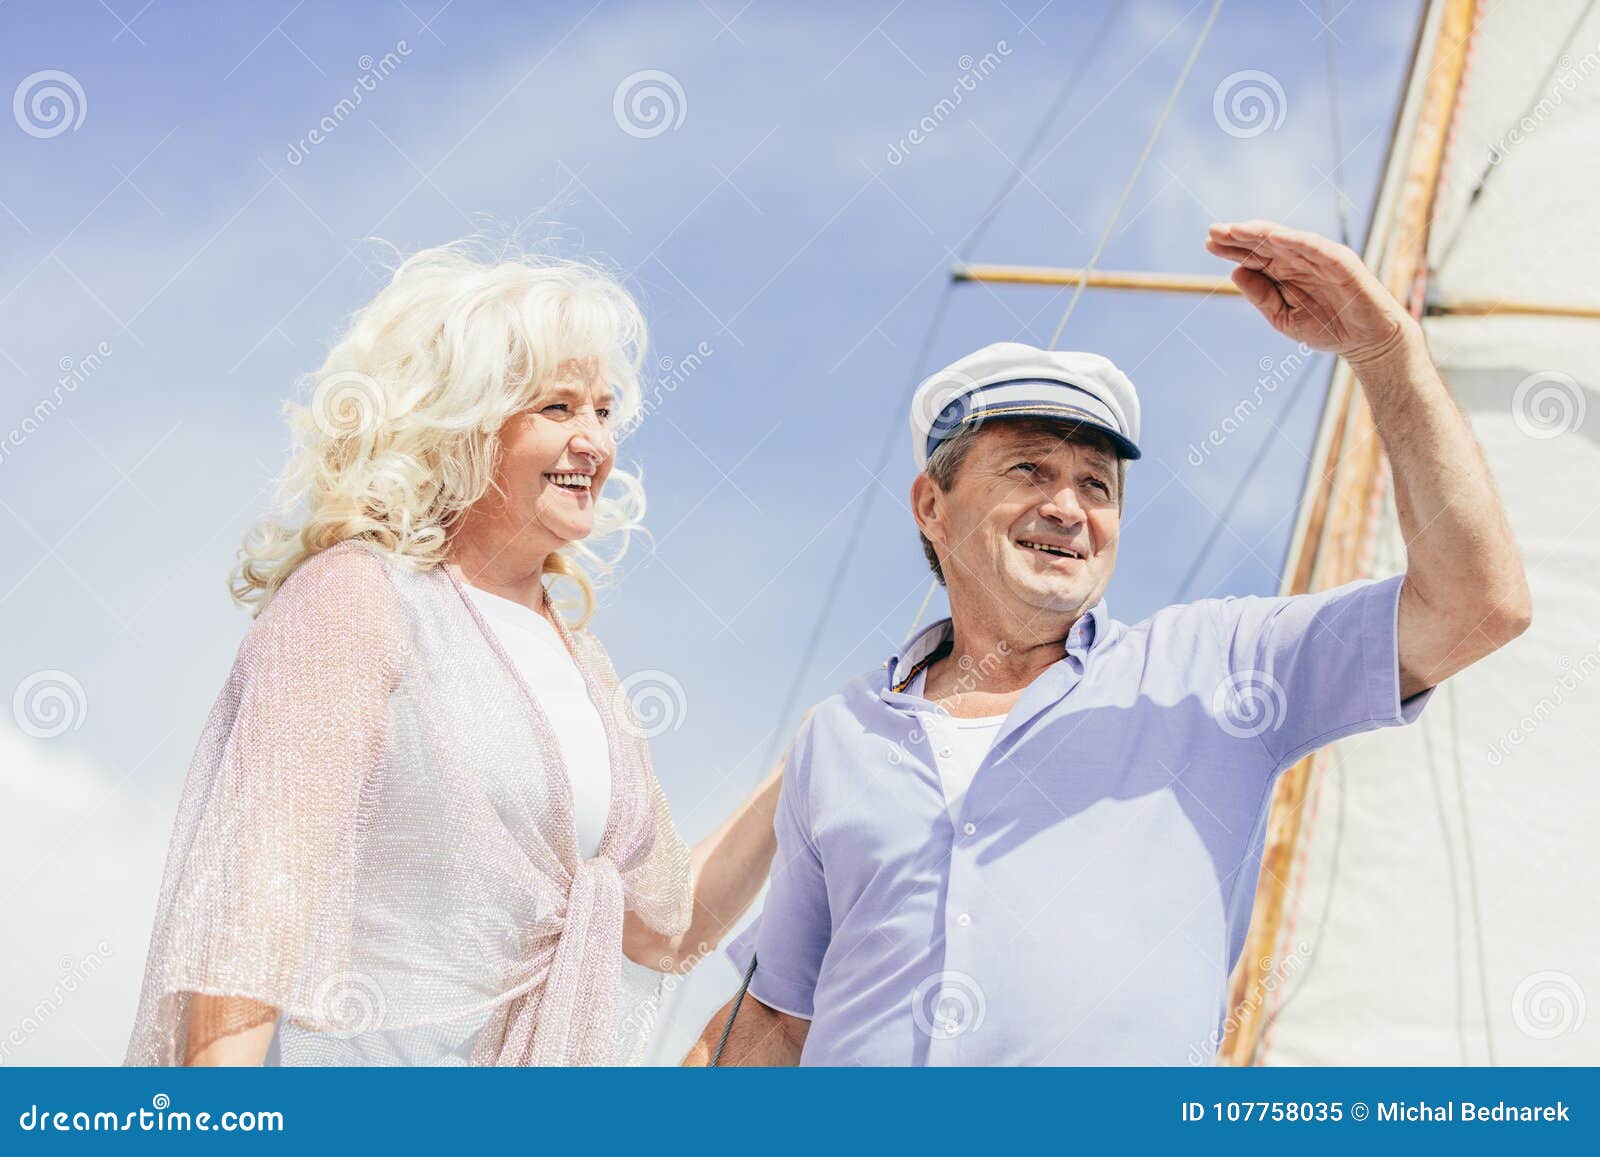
(1012, 380)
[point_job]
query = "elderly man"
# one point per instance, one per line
(1034, 836)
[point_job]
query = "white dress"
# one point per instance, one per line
(552, 676)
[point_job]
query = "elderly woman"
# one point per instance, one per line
(421, 826)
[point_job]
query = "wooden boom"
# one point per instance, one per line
(1199, 283)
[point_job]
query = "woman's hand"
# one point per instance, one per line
(728, 867)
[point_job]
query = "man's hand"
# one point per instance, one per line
(1314, 290)
(1465, 593)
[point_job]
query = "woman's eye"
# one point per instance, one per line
(559, 407)
(604, 413)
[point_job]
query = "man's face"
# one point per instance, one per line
(1031, 519)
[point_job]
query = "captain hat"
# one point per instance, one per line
(1012, 380)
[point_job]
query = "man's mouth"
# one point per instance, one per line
(1049, 548)
(578, 483)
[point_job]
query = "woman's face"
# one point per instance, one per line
(555, 457)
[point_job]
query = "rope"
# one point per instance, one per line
(1138, 169)
(1491, 165)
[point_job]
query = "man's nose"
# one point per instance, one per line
(1061, 505)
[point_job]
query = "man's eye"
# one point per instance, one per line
(1026, 467)
(1104, 489)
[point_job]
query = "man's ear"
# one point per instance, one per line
(928, 509)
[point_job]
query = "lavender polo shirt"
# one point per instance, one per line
(1085, 900)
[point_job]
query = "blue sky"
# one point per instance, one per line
(185, 231)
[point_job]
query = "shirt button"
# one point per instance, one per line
(945, 752)
(963, 919)
(970, 829)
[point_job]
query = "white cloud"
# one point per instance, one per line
(84, 863)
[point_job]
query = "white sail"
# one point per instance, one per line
(1447, 894)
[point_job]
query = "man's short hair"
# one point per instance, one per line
(947, 457)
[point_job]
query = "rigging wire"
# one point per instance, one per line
(1243, 484)
(1335, 130)
(1138, 169)
(1116, 216)
(1341, 208)
(1472, 869)
(1337, 775)
(1334, 769)
(1493, 162)
(1455, 890)
(1069, 86)
(1469, 857)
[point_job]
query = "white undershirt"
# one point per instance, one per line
(547, 667)
(959, 745)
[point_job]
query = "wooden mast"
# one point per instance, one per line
(1337, 517)
(1339, 510)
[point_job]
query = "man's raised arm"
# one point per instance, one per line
(1465, 593)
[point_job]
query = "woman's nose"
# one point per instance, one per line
(592, 439)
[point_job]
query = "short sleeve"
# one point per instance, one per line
(257, 895)
(1305, 670)
(794, 927)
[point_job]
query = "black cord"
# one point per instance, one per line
(733, 1014)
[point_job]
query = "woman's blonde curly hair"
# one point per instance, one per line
(397, 434)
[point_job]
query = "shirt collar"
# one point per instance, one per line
(902, 667)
